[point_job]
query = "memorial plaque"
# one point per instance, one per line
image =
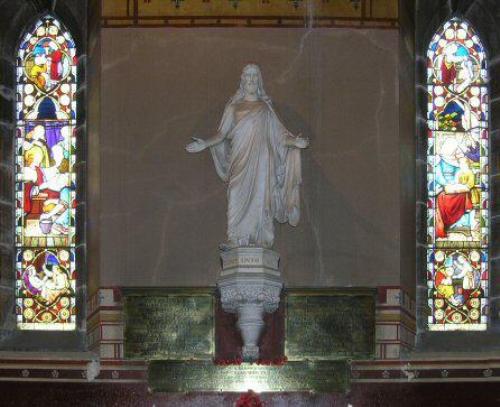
(169, 324)
(198, 376)
(329, 324)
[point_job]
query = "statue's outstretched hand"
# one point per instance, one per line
(296, 141)
(196, 146)
(300, 142)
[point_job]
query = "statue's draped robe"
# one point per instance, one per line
(263, 174)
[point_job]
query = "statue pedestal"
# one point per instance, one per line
(250, 284)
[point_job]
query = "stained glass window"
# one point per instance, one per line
(46, 75)
(457, 179)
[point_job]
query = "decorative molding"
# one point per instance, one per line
(268, 296)
(250, 13)
(429, 370)
(395, 323)
(377, 371)
(70, 369)
(105, 323)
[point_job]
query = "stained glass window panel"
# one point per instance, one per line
(457, 179)
(45, 178)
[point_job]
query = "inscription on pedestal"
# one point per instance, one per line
(249, 257)
(169, 325)
(243, 261)
(330, 324)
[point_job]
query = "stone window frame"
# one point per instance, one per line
(430, 16)
(15, 21)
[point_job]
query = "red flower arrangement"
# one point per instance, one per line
(249, 399)
(228, 362)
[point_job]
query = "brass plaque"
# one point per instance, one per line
(198, 376)
(169, 324)
(329, 324)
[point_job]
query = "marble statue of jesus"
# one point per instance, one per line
(260, 160)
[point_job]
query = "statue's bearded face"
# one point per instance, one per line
(250, 81)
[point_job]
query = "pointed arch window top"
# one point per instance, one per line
(46, 73)
(456, 58)
(46, 76)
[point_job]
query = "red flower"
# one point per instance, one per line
(228, 362)
(249, 399)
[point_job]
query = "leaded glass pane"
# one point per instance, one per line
(45, 178)
(457, 179)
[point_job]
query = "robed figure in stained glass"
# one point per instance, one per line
(457, 197)
(260, 160)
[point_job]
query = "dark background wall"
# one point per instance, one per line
(163, 210)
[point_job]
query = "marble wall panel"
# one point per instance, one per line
(163, 210)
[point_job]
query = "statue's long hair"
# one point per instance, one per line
(240, 93)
